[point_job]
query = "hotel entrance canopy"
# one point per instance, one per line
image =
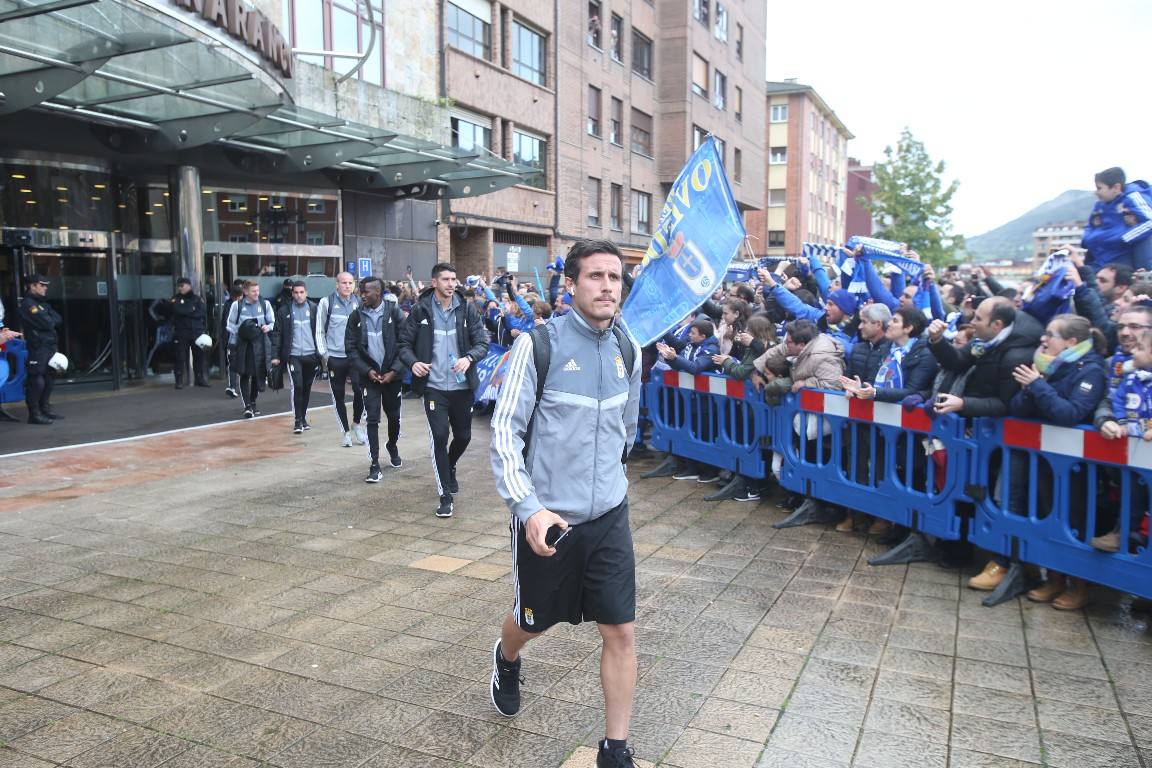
(150, 82)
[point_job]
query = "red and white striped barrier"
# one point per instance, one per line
(712, 385)
(1077, 443)
(889, 414)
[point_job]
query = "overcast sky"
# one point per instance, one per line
(1022, 99)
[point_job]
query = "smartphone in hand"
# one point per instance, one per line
(556, 534)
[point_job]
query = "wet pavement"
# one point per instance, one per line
(237, 596)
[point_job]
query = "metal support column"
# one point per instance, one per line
(188, 224)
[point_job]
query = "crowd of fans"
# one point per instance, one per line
(1072, 346)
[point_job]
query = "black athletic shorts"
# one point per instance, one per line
(592, 576)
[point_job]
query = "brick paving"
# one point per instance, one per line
(237, 597)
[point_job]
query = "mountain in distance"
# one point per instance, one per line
(1014, 239)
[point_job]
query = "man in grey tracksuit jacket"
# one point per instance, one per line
(571, 482)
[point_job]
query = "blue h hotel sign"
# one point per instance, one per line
(247, 25)
(364, 268)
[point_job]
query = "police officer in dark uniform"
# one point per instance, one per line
(40, 323)
(189, 322)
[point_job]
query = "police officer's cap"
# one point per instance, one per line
(183, 281)
(35, 278)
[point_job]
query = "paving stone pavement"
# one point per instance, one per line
(238, 597)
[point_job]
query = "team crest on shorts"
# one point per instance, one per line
(620, 373)
(528, 618)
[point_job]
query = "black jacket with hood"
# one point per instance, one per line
(416, 337)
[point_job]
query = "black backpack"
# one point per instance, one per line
(542, 359)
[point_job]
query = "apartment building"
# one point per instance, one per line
(805, 187)
(1054, 236)
(858, 215)
(608, 98)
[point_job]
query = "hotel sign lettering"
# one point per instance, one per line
(248, 25)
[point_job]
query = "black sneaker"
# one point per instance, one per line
(297, 428)
(453, 486)
(373, 474)
(255, 411)
(505, 686)
(247, 413)
(708, 476)
(231, 393)
(686, 474)
(615, 758)
(394, 456)
(304, 423)
(748, 494)
(445, 508)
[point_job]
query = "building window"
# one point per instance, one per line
(593, 202)
(739, 105)
(698, 136)
(617, 38)
(699, 75)
(616, 126)
(776, 198)
(641, 55)
(779, 113)
(594, 24)
(528, 53)
(719, 89)
(737, 163)
(237, 238)
(721, 149)
(338, 25)
(593, 111)
(775, 238)
(641, 212)
(740, 41)
(469, 33)
(700, 11)
(314, 238)
(720, 30)
(778, 156)
(238, 206)
(531, 151)
(471, 133)
(615, 206)
(641, 132)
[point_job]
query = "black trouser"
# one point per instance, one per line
(340, 370)
(452, 409)
(41, 379)
(249, 390)
(386, 397)
(303, 372)
(180, 367)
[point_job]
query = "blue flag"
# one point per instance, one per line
(699, 232)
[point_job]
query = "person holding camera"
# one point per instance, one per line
(294, 342)
(250, 320)
(189, 323)
(40, 323)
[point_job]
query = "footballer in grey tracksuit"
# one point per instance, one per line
(584, 425)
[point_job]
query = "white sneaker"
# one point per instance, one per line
(361, 434)
(347, 441)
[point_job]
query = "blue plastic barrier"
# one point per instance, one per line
(870, 457)
(1051, 489)
(716, 420)
(12, 386)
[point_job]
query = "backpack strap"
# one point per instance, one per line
(542, 359)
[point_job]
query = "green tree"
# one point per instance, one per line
(911, 203)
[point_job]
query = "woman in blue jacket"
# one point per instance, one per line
(1067, 381)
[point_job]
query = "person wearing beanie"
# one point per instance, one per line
(837, 317)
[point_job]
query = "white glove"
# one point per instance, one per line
(58, 361)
